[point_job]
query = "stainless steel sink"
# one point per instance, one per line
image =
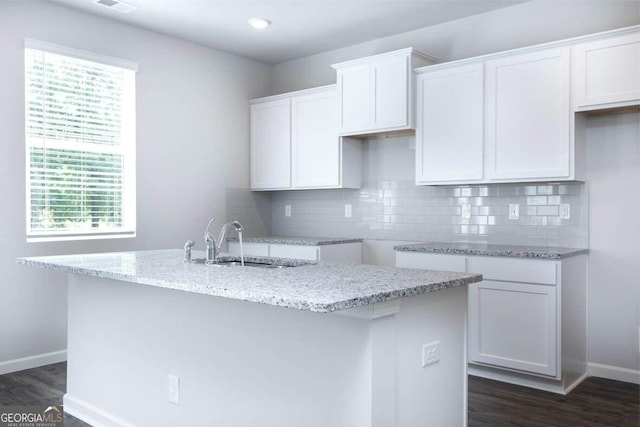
(239, 264)
(247, 264)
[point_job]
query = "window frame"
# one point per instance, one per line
(128, 147)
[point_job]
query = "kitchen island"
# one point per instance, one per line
(326, 344)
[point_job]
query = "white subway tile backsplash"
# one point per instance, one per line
(545, 189)
(402, 211)
(553, 200)
(536, 200)
(548, 210)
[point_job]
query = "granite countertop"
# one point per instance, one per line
(538, 252)
(322, 287)
(307, 241)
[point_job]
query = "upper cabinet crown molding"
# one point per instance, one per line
(574, 41)
(375, 93)
(289, 95)
(408, 51)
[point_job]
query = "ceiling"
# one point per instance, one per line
(300, 28)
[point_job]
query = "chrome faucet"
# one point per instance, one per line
(213, 247)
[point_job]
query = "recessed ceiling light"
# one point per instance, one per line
(259, 23)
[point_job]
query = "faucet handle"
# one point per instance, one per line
(187, 250)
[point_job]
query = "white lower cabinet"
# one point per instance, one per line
(343, 252)
(513, 325)
(526, 319)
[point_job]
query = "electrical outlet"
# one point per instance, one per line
(466, 211)
(430, 353)
(565, 211)
(514, 211)
(347, 211)
(287, 210)
(174, 389)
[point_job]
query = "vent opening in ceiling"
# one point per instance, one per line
(117, 5)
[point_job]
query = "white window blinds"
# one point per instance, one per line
(80, 144)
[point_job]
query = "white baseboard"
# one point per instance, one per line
(614, 373)
(525, 380)
(23, 363)
(568, 388)
(90, 414)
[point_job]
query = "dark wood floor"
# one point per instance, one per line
(38, 386)
(596, 402)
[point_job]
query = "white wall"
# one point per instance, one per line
(192, 144)
(613, 173)
(508, 28)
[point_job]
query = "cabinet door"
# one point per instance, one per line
(513, 325)
(390, 92)
(607, 71)
(315, 143)
(271, 145)
(528, 116)
(449, 134)
(354, 89)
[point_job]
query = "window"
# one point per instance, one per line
(80, 144)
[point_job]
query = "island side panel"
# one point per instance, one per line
(247, 364)
(434, 395)
(239, 363)
(404, 393)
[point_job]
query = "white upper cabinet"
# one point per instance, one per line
(354, 85)
(391, 92)
(375, 94)
(505, 118)
(295, 143)
(271, 145)
(529, 116)
(450, 127)
(315, 142)
(606, 72)
(518, 122)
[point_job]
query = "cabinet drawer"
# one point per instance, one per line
(294, 251)
(430, 261)
(513, 270)
(250, 249)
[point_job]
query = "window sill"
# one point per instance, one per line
(86, 236)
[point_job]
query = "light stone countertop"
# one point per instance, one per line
(306, 241)
(537, 252)
(322, 287)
